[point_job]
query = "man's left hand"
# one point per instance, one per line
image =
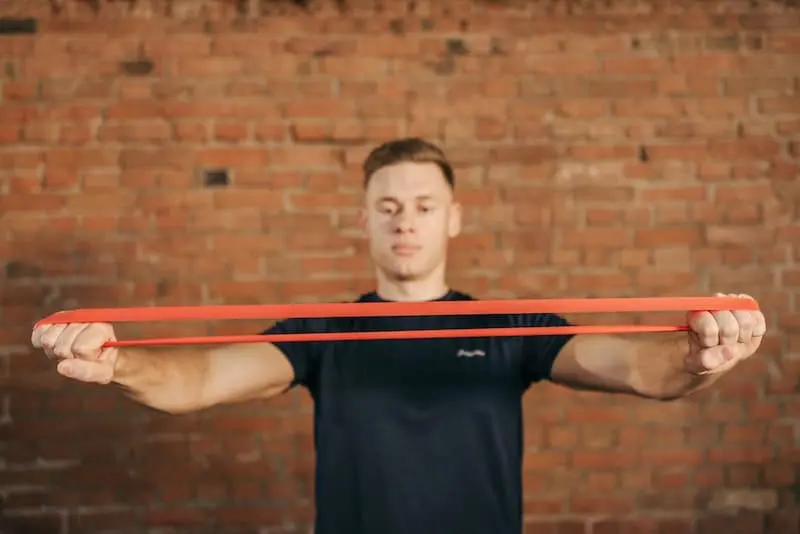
(720, 340)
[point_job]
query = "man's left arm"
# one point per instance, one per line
(662, 367)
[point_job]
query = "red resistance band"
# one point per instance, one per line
(400, 309)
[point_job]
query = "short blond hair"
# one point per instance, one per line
(409, 149)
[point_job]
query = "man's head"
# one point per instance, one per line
(410, 212)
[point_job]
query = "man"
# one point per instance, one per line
(413, 436)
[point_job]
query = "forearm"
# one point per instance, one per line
(651, 366)
(167, 379)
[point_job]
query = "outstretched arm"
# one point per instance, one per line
(665, 367)
(173, 380)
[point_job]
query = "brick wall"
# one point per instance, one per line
(615, 148)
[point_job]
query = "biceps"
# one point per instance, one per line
(239, 373)
(596, 362)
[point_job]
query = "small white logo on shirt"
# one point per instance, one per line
(470, 353)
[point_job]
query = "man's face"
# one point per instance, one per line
(409, 217)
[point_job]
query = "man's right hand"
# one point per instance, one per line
(78, 349)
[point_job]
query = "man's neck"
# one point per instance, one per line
(411, 290)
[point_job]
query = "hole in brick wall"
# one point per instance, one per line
(443, 67)
(397, 27)
(22, 269)
(12, 26)
(94, 5)
(216, 178)
(242, 7)
(643, 156)
(457, 47)
(137, 67)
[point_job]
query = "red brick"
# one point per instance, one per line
(603, 460)
(233, 157)
(667, 236)
(686, 193)
(779, 105)
(744, 149)
(603, 504)
(634, 65)
(649, 108)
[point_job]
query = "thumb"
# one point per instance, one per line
(86, 371)
(711, 361)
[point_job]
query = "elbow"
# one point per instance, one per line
(169, 406)
(174, 410)
(663, 394)
(181, 406)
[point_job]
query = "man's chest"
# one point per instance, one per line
(421, 366)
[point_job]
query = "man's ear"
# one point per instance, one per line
(362, 219)
(454, 223)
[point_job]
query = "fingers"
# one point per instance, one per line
(728, 328)
(89, 343)
(67, 341)
(704, 328)
(757, 321)
(752, 328)
(79, 347)
(760, 327)
(62, 347)
(47, 338)
(722, 338)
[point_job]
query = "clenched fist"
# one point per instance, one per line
(720, 340)
(78, 348)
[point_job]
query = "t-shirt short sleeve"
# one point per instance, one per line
(302, 355)
(540, 352)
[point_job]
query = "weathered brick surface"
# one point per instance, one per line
(613, 148)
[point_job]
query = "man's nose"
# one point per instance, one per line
(404, 222)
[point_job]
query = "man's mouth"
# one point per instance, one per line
(405, 249)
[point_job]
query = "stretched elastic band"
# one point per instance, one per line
(397, 309)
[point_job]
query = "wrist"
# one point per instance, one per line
(121, 366)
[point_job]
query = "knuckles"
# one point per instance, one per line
(729, 331)
(48, 340)
(61, 342)
(747, 322)
(62, 352)
(84, 348)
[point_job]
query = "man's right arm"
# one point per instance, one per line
(169, 379)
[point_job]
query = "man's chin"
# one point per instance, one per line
(402, 273)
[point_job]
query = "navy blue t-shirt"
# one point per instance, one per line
(419, 436)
